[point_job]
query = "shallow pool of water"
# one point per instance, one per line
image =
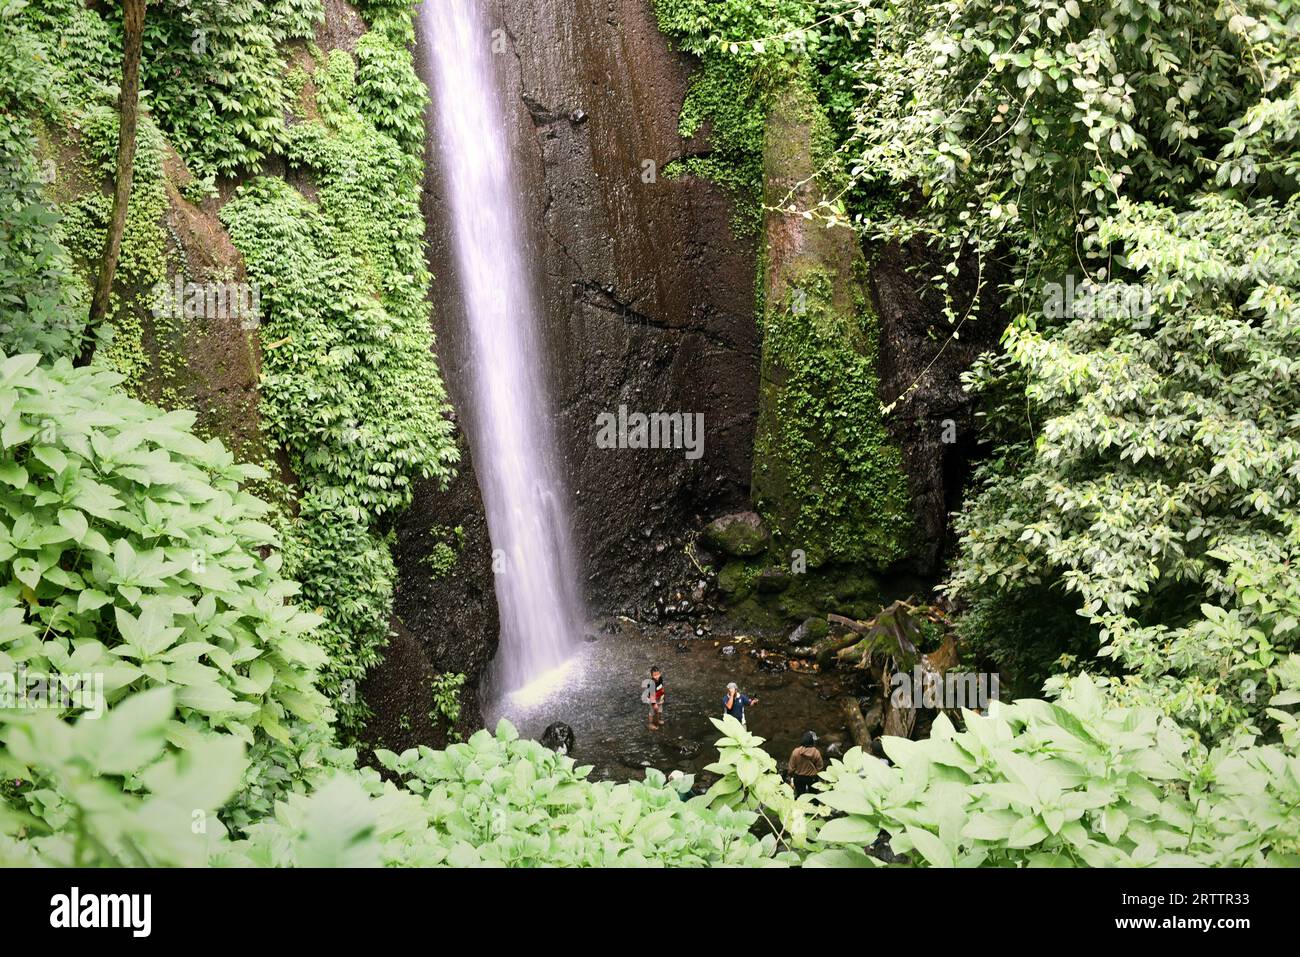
(598, 694)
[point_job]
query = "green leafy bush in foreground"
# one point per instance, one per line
(1075, 782)
(1070, 783)
(129, 551)
(496, 800)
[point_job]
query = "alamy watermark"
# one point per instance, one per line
(655, 430)
(209, 300)
(947, 692)
(1107, 300)
(27, 690)
(75, 909)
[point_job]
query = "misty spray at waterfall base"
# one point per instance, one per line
(510, 423)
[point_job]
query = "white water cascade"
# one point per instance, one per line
(510, 428)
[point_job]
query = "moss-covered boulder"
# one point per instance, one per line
(736, 580)
(773, 579)
(742, 535)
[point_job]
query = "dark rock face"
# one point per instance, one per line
(934, 420)
(646, 297)
(454, 613)
(443, 621)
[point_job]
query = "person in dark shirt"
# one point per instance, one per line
(734, 702)
(656, 695)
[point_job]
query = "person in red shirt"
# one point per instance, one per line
(655, 694)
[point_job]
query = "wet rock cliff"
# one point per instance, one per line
(647, 297)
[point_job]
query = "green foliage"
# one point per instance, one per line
(382, 10)
(724, 99)
(1161, 488)
(388, 90)
(495, 801)
(441, 559)
(350, 388)
(129, 551)
(708, 26)
(730, 95)
(212, 71)
(824, 464)
(83, 51)
(142, 263)
(86, 817)
(1023, 124)
(217, 78)
(41, 301)
(1145, 469)
(446, 690)
(1078, 782)
(501, 800)
(747, 48)
(748, 780)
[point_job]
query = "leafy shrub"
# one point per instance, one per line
(128, 550)
(350, 387)
(496, 800)
(41, 301)
(502, 800)
(1034, 783)
(446, 692)
(1078, 782)
(389, 92)
(1161, 489)
(217, 76)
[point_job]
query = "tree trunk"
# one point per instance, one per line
(857, 724)
(128, 104)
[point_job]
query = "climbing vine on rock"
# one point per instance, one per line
(825, 452)
(350, 387)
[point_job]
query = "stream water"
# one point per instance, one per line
(510, 427)
(600, 699)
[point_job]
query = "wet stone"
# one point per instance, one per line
(558, 736)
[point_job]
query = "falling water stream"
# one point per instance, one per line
(510, 429)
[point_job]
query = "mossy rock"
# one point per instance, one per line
(773, 580)
(795, 608)
(742, 535)
(827, 477)
(759, 616)
(736, 581)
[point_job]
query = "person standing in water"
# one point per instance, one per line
(806, 763)
(655, 695)
(734, 703)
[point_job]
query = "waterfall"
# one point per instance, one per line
(510, 425)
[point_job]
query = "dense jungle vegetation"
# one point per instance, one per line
(1129, 548)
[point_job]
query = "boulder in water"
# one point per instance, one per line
(558, 736)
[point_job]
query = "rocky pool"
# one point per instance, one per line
(598, 694)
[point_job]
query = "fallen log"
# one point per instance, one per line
(857, 724)
(857, 627)
(824, 651)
